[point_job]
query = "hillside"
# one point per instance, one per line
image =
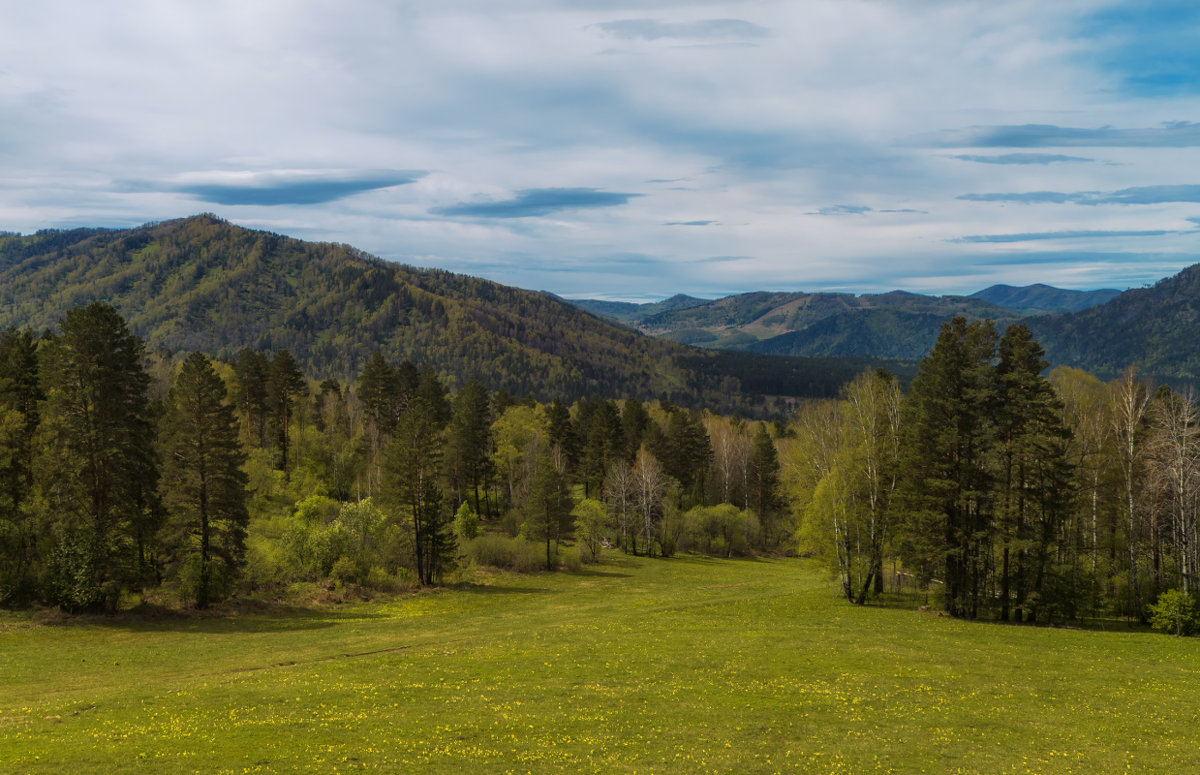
(632, 314)
(1043, 298)
(201, 283)
(794, 323)
(1154, 329)
(861, 333)
(897, 324)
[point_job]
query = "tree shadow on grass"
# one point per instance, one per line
(256, 618)
(500, 589)
(929, 605)
(597, 573)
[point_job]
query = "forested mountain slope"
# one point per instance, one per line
(1044, 298)
(203, 284)
(769, 322)
(864, 333)
(630, 313)
(1156, 329)
(897, 324)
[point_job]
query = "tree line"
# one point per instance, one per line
(1008, 493)
(125, 472)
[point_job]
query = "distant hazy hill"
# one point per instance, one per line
(862, 333)
(1156, 329)
(631, 313)
(1044, 298)
(765, 322)
(203, 284)
(885, 325)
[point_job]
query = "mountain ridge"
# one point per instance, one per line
(201, 283)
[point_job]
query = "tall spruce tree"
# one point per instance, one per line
(947, 488)
(19, 397)
(100, 466)
(468, 444)
(1032, 493)
(285, 384)
(764, 475)
(548, 510)
(204, 487)
(412, 466)
(250, 393)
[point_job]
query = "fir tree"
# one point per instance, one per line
(100, 458)
(203, 482)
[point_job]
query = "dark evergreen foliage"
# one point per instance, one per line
(99, 458)
(204, 485)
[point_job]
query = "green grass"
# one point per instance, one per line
(684, 665)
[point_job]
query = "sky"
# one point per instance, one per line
(629, 150)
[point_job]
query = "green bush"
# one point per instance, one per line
(571, 558)
(499, 551)
(723, 530)
(345, 571)
(466, 522)
(382, 581)
(1175, 612)
(220, 579)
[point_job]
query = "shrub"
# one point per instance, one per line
(592, 524)
(719, 530)
(345, 571)
(220, 579)
(571, 558)
(1174, 612)
(499, 551)
(466, 522)
(382, 581)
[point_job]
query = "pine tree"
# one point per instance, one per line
(764, 475)
(1031, 483)
(250, 393)
(412, 463)
(285, 384)
(100, 462)
(948, 482)
(203, 484)
(548, 510)
(19, 416)
(468, 443)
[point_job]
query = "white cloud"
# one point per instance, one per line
(491, 100)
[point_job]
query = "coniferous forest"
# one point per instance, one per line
(988, 487)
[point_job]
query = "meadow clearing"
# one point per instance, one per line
(635, 665)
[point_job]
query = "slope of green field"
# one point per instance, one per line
(683, 665)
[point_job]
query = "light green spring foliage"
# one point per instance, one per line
(466, 522)
(1175, 612)
(593, 524)
(722, 531)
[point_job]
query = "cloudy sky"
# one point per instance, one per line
(629, 150)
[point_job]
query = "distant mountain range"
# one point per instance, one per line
(1043, 298)
(900, 324)
(203, 284)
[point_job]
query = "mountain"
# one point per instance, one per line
(1154, 329)
(631, 314)
(861, 333)
(201, 283)
(897, 324)
(786, 323)
(1043, 298)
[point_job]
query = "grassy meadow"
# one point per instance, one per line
(682, 665)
